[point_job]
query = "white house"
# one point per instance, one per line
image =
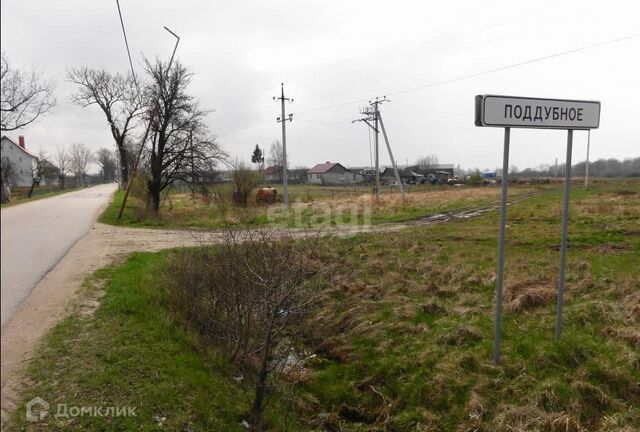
(22, 162)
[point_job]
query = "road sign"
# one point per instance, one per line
(525, 112)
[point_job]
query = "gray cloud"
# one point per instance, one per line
(329, 53)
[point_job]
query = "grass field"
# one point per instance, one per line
(19, 195)
(404, 346)
(310, 205)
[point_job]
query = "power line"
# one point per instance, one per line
(126, 42)
(514, 65)
(477, 74)
(323, 122)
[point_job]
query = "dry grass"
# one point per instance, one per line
(631, 335)
(418, 323)
(421, 199)
(528, 293)
(532, 419)
(317, 205)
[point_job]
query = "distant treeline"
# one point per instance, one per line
(599, 168)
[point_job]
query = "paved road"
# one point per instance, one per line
(36, 235)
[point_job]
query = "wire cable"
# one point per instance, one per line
(477, 74)
(514, 65)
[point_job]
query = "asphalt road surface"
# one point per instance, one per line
(38, 234)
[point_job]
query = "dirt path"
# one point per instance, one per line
(50, 300)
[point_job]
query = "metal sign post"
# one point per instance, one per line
(503, 220)
(523, 112)
(565, 227)
(586, 167)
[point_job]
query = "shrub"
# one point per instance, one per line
(475, 179)
(250, 297)
(245, 180)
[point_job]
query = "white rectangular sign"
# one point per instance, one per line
(513, 111)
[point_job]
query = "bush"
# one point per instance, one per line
(250, 297)
(475, 179)
(245, 181)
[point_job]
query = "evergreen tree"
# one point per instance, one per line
(257, 156)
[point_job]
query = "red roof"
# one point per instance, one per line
(271, 170)
(322, 168)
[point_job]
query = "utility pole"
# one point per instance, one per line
(393, 161)
(373, 115)
(283, 119)
(368, 119)
(586, 172)
(375, 118)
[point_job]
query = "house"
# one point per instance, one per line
(22, 162)
(333, 173)
(388, 176)
(49, 172)
(273, 174)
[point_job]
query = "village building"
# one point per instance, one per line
(22, 163)
(388, 176)
(273, 174)
(333, 173)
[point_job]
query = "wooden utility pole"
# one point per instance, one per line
(283, 119)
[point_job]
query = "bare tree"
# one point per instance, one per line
(118, 98)
(62, 160)
(25, 96)
(79, 158)
(182, 149)
(276, 154)
(426, 162)
(105, 160)
(299, 175)
(38, 172)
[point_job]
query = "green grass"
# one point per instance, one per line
(404, 345)
(132, 354)
(20, 195)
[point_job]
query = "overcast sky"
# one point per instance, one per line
(331, 54)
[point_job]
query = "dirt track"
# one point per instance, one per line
(50, 300)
